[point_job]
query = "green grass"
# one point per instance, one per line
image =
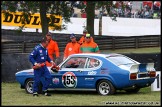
(13, 95)
(138, 50)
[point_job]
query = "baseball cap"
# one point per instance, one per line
(49, 34)
(88, 35)
(85, 31)
(72, 36)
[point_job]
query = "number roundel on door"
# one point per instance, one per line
(69, 80)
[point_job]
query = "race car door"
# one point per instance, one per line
(92, 67)
(71, 73)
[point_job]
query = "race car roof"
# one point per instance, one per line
(95, 54)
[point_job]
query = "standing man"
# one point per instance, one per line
(52, 49)
(89, 46)
(82, 39)
(72, 47)
(37, 57)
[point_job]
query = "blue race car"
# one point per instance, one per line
(104, 73)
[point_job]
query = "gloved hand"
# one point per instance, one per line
(55, 68)
(53, 63)
(38, 65)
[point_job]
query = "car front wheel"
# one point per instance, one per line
(105, 87)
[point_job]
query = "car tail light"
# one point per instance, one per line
(133, 76)
(152, 73)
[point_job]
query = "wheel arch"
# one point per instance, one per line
(108, 79)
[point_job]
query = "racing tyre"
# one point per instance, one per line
(29, 86)
(132, 90)
(105, 87)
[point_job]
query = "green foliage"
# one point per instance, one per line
(30, 7)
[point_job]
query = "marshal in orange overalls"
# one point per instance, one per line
(71, 48)
(52, 49)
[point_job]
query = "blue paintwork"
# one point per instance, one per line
(109, 71)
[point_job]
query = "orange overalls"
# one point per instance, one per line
(52, 48)
(71, 48)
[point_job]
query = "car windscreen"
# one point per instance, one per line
(120, 60)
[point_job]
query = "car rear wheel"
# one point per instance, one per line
(29, 86)
(132, 90)
(105, 87)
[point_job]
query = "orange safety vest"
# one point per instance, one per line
(71, 48)
(52, 49)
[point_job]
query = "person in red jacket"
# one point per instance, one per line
(72, 47)
(52, 49)
(82, 39)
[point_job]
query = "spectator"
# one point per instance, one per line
(89, 46)
(83, 14)
(71, 47)
(82, 39)
(52, 49)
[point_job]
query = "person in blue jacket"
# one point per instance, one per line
(38, 56)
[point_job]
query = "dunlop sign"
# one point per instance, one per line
(15, 19)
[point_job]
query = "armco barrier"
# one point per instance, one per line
(12, 63)
(24, 42)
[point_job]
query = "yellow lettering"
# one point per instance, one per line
(15, 19)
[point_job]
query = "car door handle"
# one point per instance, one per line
(79, 70)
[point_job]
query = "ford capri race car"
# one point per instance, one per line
(104, 73)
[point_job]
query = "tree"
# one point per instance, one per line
(43, 7)
(90, 10)
(104, 6)
(60, 8)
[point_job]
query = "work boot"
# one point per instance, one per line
(35, 94)
(46, 93)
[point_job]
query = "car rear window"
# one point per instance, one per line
(120, 60)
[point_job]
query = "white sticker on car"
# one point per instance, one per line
(92, 73)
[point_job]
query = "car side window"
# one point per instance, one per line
(75, 63)
(92, 63)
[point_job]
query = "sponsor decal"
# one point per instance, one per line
(34, 21)
(40, 51)
(69, 80)
(55, 80)
(89, 78)
(103, 72)
(92, 73)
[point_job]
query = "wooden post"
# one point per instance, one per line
(23, 47)
(159, 44)
(136, 42)
(113, 43)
